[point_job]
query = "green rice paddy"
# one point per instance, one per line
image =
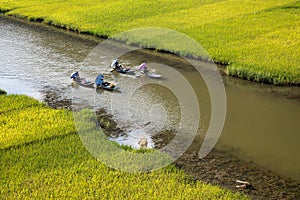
(258, 39)
(23, 120)
(41, 157)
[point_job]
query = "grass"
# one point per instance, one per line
(23, 120)
(51, 162)
(258, 39)
(62, 168)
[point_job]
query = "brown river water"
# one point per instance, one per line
(262, 121)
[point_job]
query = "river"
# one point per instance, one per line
(262, 121)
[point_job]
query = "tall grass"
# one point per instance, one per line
(259, 39)
(24, 120)
(42, 157)
(62, 168)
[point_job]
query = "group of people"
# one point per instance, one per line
(116, 66)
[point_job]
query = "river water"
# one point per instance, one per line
(262, 121)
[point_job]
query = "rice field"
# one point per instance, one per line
(23, 120)
(258, 39)
(42, 157)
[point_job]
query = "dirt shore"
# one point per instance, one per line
(219, 168)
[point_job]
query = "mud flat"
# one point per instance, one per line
(219, 168)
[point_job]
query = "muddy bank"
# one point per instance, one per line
(218, 168)
(221, 169)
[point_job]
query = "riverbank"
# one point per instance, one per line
(218, 168)
(223, 169)
(43, 157)
(257, 41)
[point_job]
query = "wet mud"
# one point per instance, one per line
(220, 168)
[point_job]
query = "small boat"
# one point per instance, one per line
(149, 75)
(119, 68)
(124, 71)
(153, 75)
(85, 83)
(100, 83)
(81, 81)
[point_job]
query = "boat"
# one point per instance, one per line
(85, 83)
(149, 75)
(124, 70)
(153, 75)
(81, 81)
(119, 68)
(100, 83)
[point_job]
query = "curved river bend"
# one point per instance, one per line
(262, 122)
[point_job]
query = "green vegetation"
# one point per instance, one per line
(41, 156)
(258, 39)
(23, 120)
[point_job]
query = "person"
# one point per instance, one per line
(104, 83)
(75, 76)
(146, 71)
(116, 66)
(100, 81)
(143, 68)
